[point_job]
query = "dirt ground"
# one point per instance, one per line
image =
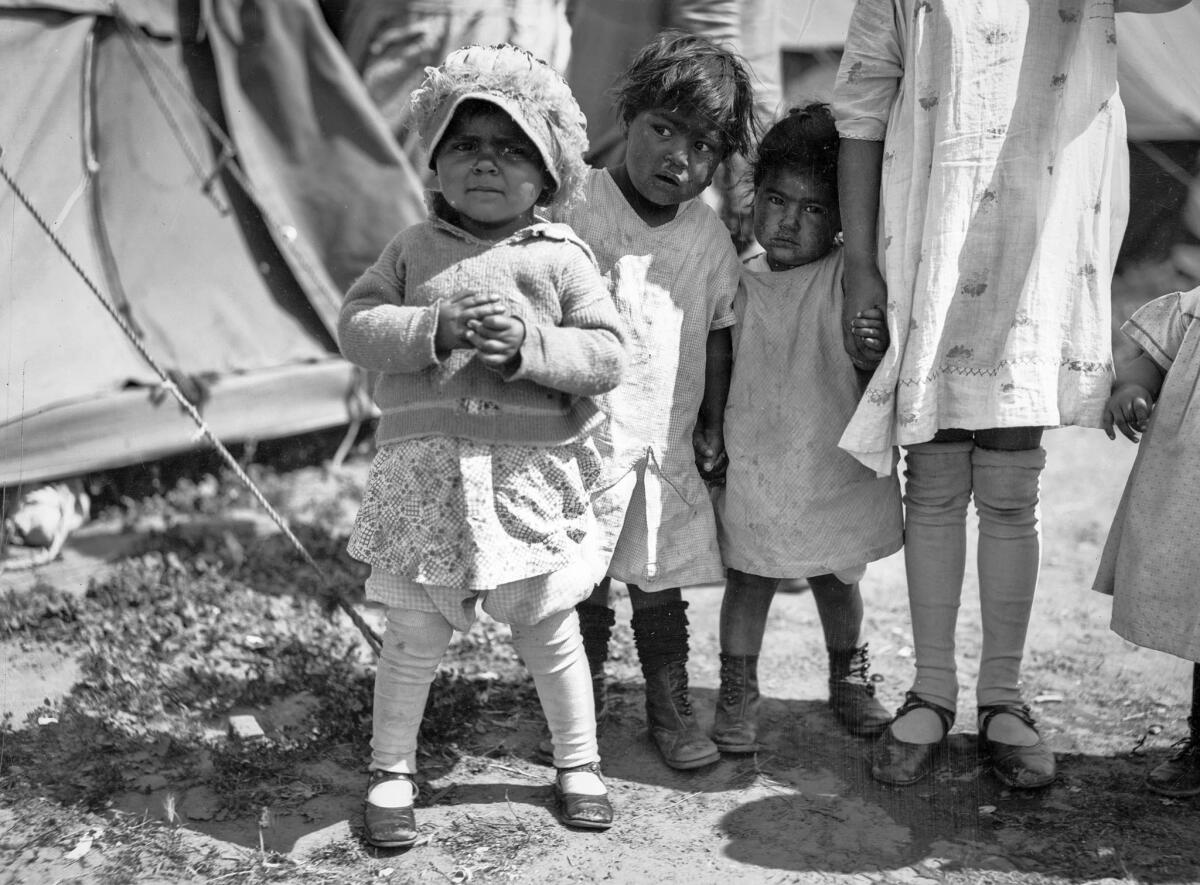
(804, 810)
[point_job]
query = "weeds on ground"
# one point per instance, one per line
(195, 624)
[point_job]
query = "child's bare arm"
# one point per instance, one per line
(708, 439)
(1134, 391)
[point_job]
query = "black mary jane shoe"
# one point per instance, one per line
(1022, 768)
(579, 810)
(900, 763)
(389, 827)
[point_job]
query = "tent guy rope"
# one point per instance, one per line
(169, 386)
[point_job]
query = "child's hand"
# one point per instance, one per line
(497, 338)
(711, 460)
(1129, 408)
(865, 294)
(454, 315)
(869, 328)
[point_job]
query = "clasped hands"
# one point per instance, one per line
(1128, 409)
(480, 321)
(864, 326)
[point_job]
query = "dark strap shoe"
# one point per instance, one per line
(1022, 768)
(579, 810)
(900, 763)
(389, 827)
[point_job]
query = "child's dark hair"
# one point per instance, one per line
(806, 141)
(678, 70)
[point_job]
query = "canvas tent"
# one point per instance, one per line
(1160, 86)
(228, 257)
(1159, 73)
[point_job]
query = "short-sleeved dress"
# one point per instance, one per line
(1003, 204)
(794, 504)
(673, 284)
(1151, 561)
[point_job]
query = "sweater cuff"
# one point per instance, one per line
(427, 335)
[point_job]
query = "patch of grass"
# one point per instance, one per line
(198, 622)
(175, 638)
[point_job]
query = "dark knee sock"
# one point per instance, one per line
(660, 634)
(1194, 718)
(595, 625)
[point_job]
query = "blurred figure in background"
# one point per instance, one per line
(391, 42)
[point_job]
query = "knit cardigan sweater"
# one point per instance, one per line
(574, 345)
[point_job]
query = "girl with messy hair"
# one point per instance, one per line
(687, 105)
(489, 330)
(794, 505)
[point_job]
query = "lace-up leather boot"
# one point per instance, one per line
(852, 693)
(736, 726)
(1180, 774)
(660, 633)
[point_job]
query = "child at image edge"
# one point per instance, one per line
(794, 504)
(686, 105)
(1151, 562)
(490, 331)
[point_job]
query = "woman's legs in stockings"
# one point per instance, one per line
(413, 645)
(936, 494)
(553, 651)
(1006, 470)
(1001, 468)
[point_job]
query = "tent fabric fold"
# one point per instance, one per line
(221, 185)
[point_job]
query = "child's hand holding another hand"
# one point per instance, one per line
(711, 460)
(864, 332)
(1129, 409)
(869, 330)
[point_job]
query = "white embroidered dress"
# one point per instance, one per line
(1003, 204)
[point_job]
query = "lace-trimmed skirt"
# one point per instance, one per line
(459, 514)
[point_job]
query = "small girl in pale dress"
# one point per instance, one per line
(794, 505)
(490, 330)
(1151, 562)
